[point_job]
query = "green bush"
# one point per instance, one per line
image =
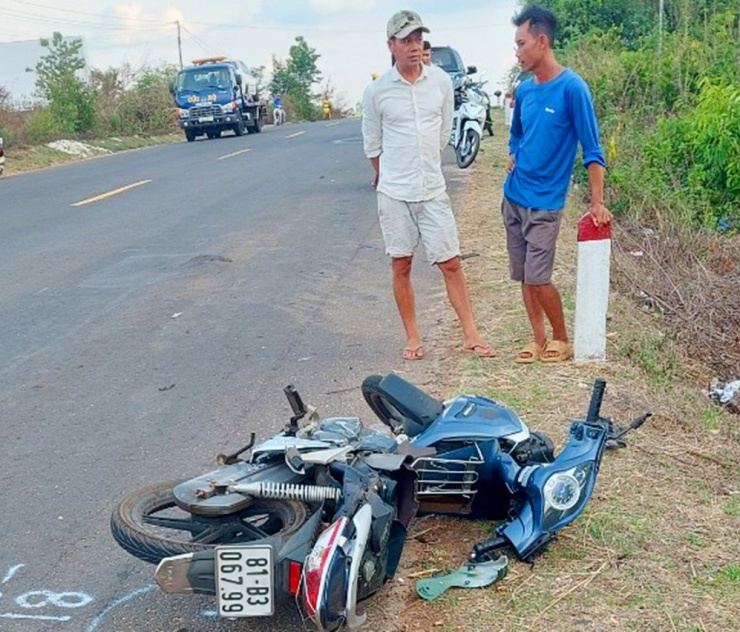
(41, 126)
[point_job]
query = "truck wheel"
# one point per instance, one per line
(190, 135)
(239, 128)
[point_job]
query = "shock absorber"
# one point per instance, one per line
(288, 491)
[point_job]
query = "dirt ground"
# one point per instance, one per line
(657, 548)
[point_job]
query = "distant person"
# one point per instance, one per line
(553, 112)
(406, 123)
(426, 54)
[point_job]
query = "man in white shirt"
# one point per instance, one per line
(406, 123)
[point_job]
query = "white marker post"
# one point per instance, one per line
(592, 290)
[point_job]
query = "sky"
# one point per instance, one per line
(348, 34)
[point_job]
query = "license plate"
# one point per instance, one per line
(244, 581)
(205, 119)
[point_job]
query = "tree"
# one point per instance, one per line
(294, 77)
(71, 100)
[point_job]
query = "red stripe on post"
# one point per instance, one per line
(587, 231)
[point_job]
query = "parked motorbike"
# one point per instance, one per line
(2, 156)
(471, 108)
(321, 512)
(477, 87)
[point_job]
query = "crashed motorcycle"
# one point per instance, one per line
(320, 512)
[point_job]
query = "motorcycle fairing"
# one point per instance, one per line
(538, 520)
(473, 418)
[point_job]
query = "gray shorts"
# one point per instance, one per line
(531, 236)
(405, 223)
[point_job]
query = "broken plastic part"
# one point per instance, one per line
(472, 575)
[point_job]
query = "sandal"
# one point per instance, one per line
(556, 351)
(412, 354)
(482, 350)
(530, 353)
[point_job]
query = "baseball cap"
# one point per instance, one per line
(403, 23)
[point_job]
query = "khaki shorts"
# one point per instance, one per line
(404, 223)
(531, 237)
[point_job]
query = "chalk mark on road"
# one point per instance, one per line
(108, 194)
(296, 134)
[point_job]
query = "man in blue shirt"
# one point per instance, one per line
(553, 112)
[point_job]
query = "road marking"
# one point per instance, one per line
(102, 196)
(125, 599)
(12, 571)
(332, 124)
(236, 153)
(296, 134)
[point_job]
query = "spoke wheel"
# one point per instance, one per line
(148, 524)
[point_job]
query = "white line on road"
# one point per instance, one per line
(236, 153)
(102, 196)
(37, 617)
(332, 124)
(296, 134)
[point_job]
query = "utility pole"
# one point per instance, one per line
(179, 41)
(660, 27)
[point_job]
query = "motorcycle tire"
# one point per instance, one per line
(473, 143)
(151, 543)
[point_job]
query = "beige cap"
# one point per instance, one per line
(403, 23)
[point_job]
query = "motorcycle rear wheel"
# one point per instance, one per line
(472, 140)
(148, 524)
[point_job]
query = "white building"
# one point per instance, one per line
(18, 68)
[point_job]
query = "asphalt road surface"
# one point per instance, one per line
(153, 304)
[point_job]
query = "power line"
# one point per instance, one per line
(72, 22)
(66, 10)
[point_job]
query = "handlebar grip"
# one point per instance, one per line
(640, 420)
(594, 408)
(480, 549)
(294, 399)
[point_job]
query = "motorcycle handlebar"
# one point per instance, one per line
(597, 395)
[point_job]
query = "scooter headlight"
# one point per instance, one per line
(562, 491)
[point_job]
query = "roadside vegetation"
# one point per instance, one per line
(121, 108)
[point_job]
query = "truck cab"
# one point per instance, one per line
(217, 94)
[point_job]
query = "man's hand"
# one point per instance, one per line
(600, 214)
(374, 182)
(509, 164)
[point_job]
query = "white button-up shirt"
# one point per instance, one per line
(408, 125)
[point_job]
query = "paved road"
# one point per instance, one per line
(144, 332)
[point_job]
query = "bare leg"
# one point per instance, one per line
(540, 301)
(403, 292)
(457, 292)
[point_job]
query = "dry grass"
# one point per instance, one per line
(657, 548)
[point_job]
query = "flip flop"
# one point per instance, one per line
(411, 354)
(481, 350)
(533, 349)
(558, 351)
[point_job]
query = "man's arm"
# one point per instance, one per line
(371, 132)
(601, 215)
(587, 129)
(448, 113)
(515, 135)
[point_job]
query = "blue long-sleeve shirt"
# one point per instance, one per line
(549, 121)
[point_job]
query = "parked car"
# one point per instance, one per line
(449, 60)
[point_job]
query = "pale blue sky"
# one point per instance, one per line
(348, 34)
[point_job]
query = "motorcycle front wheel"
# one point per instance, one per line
(149, 525)
(468, 148)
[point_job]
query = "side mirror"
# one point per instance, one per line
(172, 88)
(497, 94)
(472, 70)
(238, 78)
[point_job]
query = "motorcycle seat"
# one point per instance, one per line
(403, 406)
